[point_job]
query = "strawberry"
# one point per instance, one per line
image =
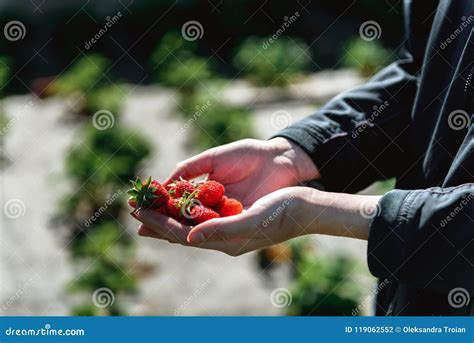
(173, 208)
(209, 193)
(180, 188)
(132, 202)
(228, 207)
(149, 194)
(201, 214)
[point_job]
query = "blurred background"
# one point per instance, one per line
(94, 93)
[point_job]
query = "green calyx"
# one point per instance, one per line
(142, 192)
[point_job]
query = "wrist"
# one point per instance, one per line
(340, 214)
(304, 167)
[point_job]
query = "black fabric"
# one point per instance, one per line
(412, 121)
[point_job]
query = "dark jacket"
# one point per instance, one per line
(412, 121)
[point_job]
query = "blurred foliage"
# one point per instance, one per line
(322, 286)
(366, 57)
(175, 63)
(108, 98)
(211, 122)
(107, 156)
(172, 46)
(100, 167)
(272, 63)
(83, 75)
(186, 74)
(5, 71)
(87, 82)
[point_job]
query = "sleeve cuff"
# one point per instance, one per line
(387, 243)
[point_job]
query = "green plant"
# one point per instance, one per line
(84, 75)
(108, 98)
(4, 72)
(100, 166)
(172, 46)
(367, 57)
(322, 287)
(269, 62)
(186, 74)
(107, 156)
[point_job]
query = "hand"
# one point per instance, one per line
(250, 168)
(284, 214)
(268, 221)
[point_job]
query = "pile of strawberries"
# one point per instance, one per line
(186, 201)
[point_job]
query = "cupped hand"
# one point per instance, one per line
(270, 220)
(250, 169)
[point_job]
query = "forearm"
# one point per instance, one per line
(337, 214)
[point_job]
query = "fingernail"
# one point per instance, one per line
(198, 237)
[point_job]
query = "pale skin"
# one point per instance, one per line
(264, 175)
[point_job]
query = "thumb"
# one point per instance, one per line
(224, 229)
(193, 167)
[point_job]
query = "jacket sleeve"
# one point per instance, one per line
(360, 136)
(425, 237)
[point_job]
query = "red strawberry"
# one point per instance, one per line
(201, 214)
(210, 193)
(148, 194)
(173, 208)
(228, 207)
(132, 202)
(180, 188)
